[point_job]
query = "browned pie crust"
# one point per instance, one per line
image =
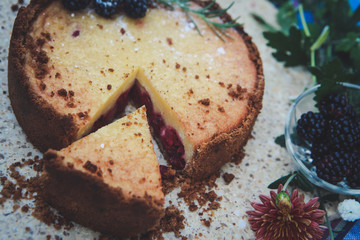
(43, 126)
(93, 203)
(46, 128)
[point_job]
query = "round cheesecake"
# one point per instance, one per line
(71, 73)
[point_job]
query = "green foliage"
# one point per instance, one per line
(329, 76)
(340, 48)
(280, 140)
(290, 49)
(286, 17)
(299, 181)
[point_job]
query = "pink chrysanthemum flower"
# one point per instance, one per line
(282, 217)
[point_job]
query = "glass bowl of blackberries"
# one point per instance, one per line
(322, 135)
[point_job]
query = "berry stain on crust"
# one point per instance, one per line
(76, 33)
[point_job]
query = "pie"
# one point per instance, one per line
(71, 73)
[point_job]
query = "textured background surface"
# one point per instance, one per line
(264, 161)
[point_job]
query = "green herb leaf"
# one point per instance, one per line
(263, 23)
(303, 183)
(329, 76)
(280, 140)
(355, 57)
(321, 39)
(347, 43)
(286, 17)
(282, 180)
(291, 49)
(340, 18)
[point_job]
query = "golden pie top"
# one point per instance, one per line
(202, 85)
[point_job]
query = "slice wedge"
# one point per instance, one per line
(105, 181)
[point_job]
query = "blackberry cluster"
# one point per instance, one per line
(107, 8)
(334, 137)
(311, 126)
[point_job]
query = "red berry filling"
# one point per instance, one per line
(166, 135)
(109, 116)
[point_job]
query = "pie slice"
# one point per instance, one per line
(71, 72)
(105, 181)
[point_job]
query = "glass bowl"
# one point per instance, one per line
(300, 151)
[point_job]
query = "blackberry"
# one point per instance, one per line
(311, 126)
(336, 105)
(344, 133)
(353, 179)
(318, 150)
(136, 8)
(74, 5)
(334, 167)
(107, 8)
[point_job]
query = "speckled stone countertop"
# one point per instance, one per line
(264, 161)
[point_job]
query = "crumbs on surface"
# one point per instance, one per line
(169, 41)
(62, 92)
(90, 167)
(205, 101)
(236, 93)
(228, 177)
(21, 187)
(173, 221)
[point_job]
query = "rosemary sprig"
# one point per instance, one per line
(206, 14)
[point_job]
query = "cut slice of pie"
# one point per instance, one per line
(71, 72)
(105, 181)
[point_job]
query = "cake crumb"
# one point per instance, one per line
(25, 208)
(14, 7)
(206, 222)
(228, 177)
(193, 207)
(30, 187)
(62, 92)
(205, 101)
(173, 221)
(90, 167)
(169, 41)
(221, 109)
